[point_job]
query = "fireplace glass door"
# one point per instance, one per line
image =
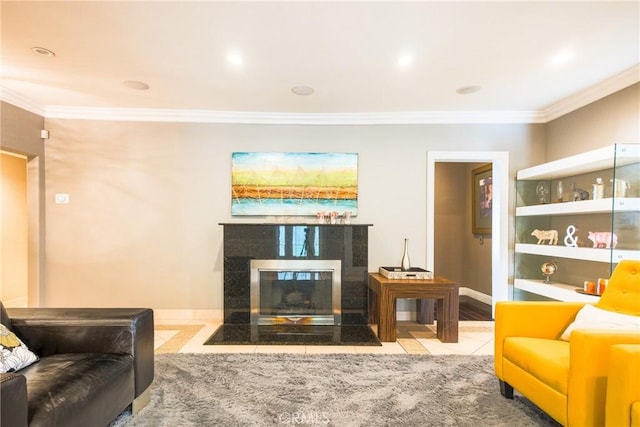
(305, 292)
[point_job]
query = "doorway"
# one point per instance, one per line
(500, 212)
(14, 230)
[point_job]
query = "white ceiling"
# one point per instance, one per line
(347, 51)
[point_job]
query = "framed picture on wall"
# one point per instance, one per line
(482, 203)
(265, 183)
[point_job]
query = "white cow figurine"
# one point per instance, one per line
(603, 239)
(542, 235)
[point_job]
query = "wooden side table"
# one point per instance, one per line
(382, 304)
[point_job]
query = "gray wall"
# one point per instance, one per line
(146, 198)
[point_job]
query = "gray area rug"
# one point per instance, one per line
(329, 390)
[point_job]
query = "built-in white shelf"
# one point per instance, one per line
(586, 254)
(557, 291)
(599, 159)
(626, 204)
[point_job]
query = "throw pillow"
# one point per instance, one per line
(14, 354)
(590, 317)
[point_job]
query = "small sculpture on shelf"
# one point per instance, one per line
(543, 192)
(571, 239)
(579, 193)
(542, 235)
(603, 239)
(548, 268)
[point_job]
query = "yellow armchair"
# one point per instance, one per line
(623, 386)
(566, 379)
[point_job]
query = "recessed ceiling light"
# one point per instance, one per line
(135, 84)
(405, 60)
(43, 51)
(561, 58)
(466, 90)
(235, 59)
(302, 90)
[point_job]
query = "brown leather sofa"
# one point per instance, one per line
(93, 363)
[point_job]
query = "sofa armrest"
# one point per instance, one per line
(623, 384)
(130, 331)
(13, 400)
(590, 352)
(533, 319)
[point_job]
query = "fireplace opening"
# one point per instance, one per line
(296, 292)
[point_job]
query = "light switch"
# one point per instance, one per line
(62, 198)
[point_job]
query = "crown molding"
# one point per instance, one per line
(591, 94)
(236, 117)
(14, 98)
(553, 111)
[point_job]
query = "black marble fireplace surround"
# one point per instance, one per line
(345, 242)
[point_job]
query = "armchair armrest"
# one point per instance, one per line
(534, 319)
(623, 385)
(130, 331)
(590, 352)
(13, 400)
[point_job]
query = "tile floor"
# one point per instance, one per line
(474, 337)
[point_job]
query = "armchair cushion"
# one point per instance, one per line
(547, 360)
(590, 317)
(14, 355)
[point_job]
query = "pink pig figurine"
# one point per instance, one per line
(603, 239)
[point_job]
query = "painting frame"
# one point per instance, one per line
(482, 199)
(294, 183)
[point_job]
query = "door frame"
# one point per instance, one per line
(499, 218)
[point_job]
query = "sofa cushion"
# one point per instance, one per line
(14, 355)
(590, 317)
(79, 389)
(545, 359)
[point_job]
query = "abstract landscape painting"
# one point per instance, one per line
(294, 183)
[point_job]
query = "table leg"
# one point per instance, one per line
(447, 316)
(387, 317)
(424, 311)
(372, 317)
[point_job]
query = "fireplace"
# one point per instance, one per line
(314, 285)
(295, 292)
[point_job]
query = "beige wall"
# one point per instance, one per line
(613, 119)
(20, 133)
(146, 199)
(13, 230)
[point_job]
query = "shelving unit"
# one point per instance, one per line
(617, 213)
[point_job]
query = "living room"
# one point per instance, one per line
(146, 188)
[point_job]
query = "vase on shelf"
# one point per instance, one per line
(405, 264)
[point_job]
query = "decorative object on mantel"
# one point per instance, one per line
(603, 239)
(542, 235)
(548, 268)
(293, 183)
(405, 264)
